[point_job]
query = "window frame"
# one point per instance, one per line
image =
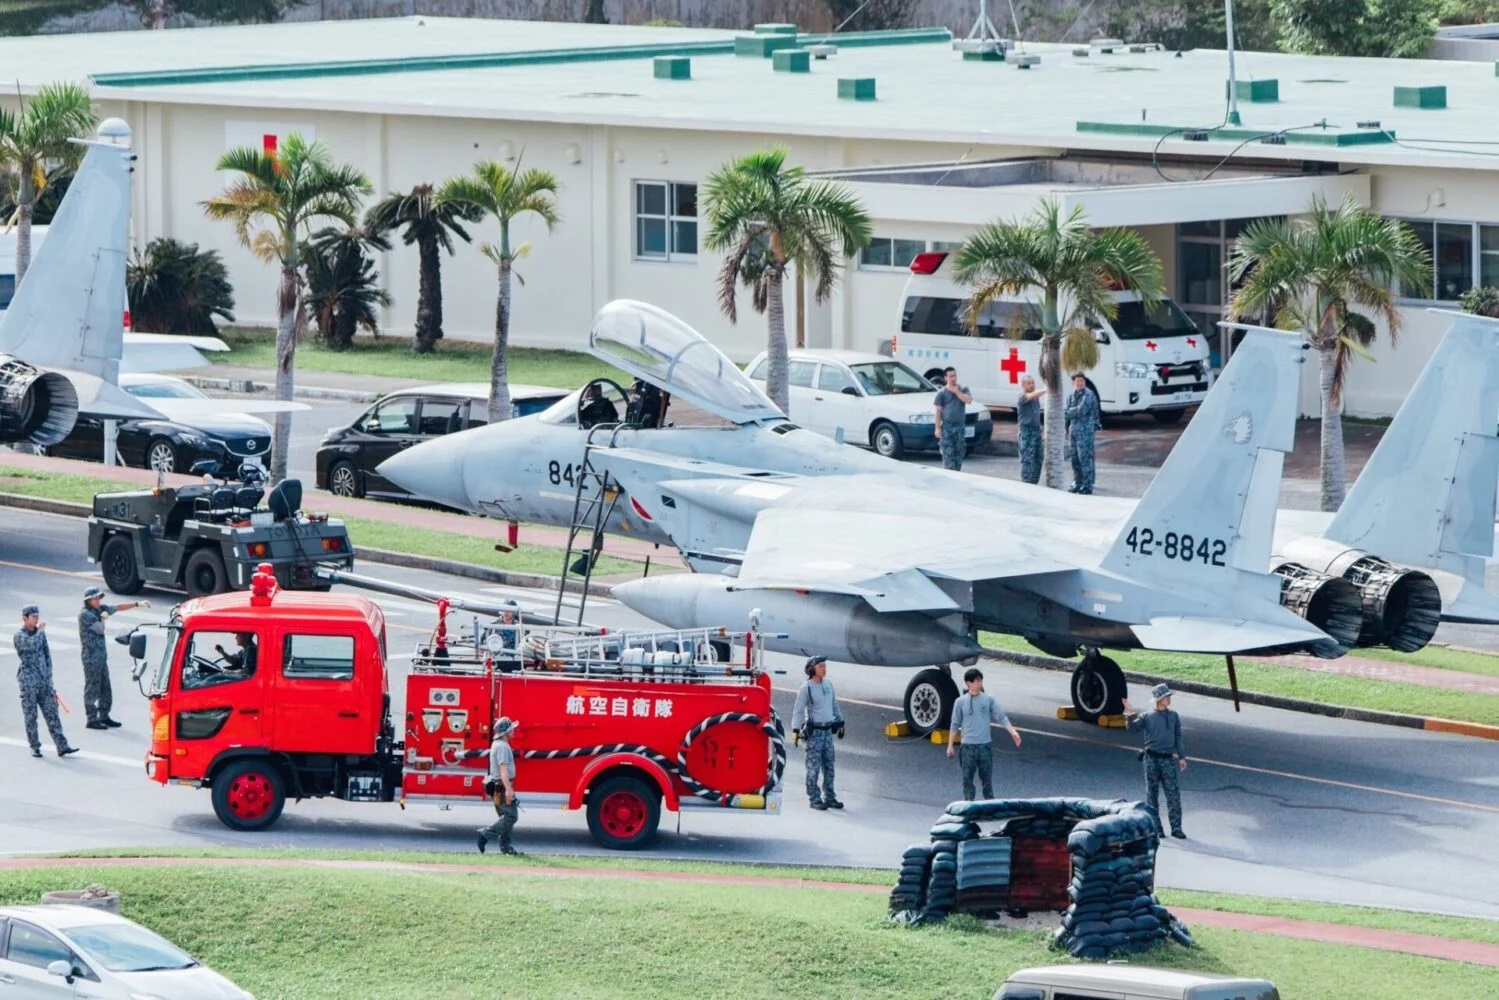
(928, 246)
(670, 219)
(460, 408)
(300, 676)
(1476, 256)
(16, 924)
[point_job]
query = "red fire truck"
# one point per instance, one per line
(272, 694)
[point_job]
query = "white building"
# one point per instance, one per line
(1131, 135)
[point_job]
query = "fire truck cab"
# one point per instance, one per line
(274, 694)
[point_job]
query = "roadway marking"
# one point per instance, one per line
(135, 762)
(48, 569)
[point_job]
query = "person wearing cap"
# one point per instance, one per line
(98, 698)
(816, 717)
(1163, 755)
(500, 784)
(1082, 419)
(973, 716)
(35, 679)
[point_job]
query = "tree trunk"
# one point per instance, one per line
(499, 376)
(1334, 471)
(288, 304)
(593, 12)
(428, 297)
(154, 15)
(1051, 377)
(776, 386)
(25, 197)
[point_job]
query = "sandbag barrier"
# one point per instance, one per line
(1092, 861)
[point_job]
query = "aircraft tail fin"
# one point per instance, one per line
(1427, 495)
(1206, 522)
(68, 312)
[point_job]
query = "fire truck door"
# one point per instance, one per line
(216, 699)
(321, 703)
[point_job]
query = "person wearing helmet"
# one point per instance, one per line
(98, 699)
(500, 784)
(817, 718)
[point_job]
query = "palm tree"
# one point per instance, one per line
(272, 206)
(496, 190)
(769, 217)
(1310, 273)
(430, 225)
(1073, 270)
(36, 140)
(343, 288)
(173, 287)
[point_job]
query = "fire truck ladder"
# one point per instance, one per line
(594, 497)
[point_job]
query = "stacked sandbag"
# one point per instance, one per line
(909, 894)
(942, 886)
(983, 874)
(1114, 908)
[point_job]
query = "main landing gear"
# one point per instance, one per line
(1098, 687)
(929, 700)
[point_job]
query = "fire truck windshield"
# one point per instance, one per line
(164, 668)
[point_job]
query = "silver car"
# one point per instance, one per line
(52, 952)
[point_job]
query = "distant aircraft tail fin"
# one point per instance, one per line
(1427, 495)
(68, 312)
(1206, 522)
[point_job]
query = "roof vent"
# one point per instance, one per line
(1421, 97)
(1195, 135)
(1082, 51)
(1371, 123)
(791, 61)
(822, 51)
(1025, 61)
(673, 68)
(1274, 139)
(1107, 45)
(858, 88)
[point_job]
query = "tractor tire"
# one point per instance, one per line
(117, 562)
(205, 574)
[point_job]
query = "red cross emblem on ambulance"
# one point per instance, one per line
(1013, 365)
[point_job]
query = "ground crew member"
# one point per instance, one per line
(972, 715)
(1163, 755)
(1083, 419)
(35, 679)
(816, 718)
(1028, 415)
(951, 410)
(500, 784)
(98, 697)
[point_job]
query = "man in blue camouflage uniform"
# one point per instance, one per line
(816, 718)
(951, 416)
(1163, 755)
(98, 697)
(1082, 420)
(1028, 417)
(35, 679)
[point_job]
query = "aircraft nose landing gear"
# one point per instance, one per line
(1098, 686)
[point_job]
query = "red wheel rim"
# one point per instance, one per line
(623, 814)
(250, 796)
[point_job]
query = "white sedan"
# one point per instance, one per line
(52, 952)
(869, 400)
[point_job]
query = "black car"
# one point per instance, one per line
(172, 445)
(347, 457)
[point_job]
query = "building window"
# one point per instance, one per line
(665, 220)
(1464, 255)
(1203, 251)
(890, 253)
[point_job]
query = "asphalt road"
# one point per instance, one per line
(1277, 803)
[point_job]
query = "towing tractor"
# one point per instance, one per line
(268, 695)
(207, 538)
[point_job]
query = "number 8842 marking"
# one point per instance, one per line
(1183, 548)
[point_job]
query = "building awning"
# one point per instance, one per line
(1110, 193)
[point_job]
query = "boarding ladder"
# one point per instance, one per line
(594, 497)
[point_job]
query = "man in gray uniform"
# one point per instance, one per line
(98, 698)
(1028, 416)
(35, 678)
(1163, 755)
(816, 718)
(500, 784)
(1083, 419)
(972, 715)
(951, 411)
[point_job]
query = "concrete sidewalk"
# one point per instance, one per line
(1426, 945)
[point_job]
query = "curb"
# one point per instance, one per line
(405, 560)
(299, 392)
(1475, 729)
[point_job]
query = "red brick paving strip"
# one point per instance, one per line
(1426, 945)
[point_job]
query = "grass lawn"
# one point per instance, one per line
(1441, 657)
(453, 361)
(1330, 689)
(311, 933)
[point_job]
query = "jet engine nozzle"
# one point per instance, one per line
(36, 406)
(1402, 607)
(1332, 604)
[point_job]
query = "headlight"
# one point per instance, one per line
(1132, 369)
(196, 440)
(922, 418)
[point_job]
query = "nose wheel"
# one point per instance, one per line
(929, 701)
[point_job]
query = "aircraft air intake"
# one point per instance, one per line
(36, 407)
(1402, 607)
(1332, 604)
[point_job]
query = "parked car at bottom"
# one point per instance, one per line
(78, 951)
(1117, 981)
(172, 445)
(347, 457)
(873, 400)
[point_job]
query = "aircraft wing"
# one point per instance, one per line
(157, 352)
(186, 410)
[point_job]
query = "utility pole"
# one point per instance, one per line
(1233, 84)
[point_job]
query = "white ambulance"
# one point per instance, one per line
(8, 260)
(1151, 358)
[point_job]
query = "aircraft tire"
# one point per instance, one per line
(1098, 688)
(929, 700)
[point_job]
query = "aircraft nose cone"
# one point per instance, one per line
(432, 470)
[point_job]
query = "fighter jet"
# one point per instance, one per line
(62, 340)
(867, 560)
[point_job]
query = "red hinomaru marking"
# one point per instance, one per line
(1013, 365)
(640, 510)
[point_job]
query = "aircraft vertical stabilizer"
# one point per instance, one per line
(1205, 524)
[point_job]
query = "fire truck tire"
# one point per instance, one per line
(249, 795)
(623, 813)
(205, 574)
(117, 562)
